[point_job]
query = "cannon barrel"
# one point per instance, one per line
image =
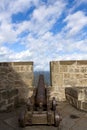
(40, 110)
(41, 91)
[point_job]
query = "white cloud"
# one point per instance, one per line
(44, 17)
(7, 34)
(74, 56)
(48, 12)
(40, 44)
(23, 55)
(3, 50)
(10, 7)
(75, 22)
(7, 9)
(4, 53)
(37, 25)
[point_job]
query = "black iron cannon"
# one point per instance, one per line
(39, 109)
(41, 99)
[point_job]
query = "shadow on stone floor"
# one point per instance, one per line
(68, 123)
(13, 122)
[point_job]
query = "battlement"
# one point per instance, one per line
(67, 74)
(20, 76)
(16, 75)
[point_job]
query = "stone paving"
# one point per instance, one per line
(73, 119)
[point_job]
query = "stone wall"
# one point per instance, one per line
(8, 99)
(67, 74)
(77, 96)
(17, 75)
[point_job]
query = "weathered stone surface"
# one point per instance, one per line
(22, 63)
(15, 80)
(67, 62)
(12, 93)
(25, 93)
(82, 62)
(9, 98)
(84, 105)
(63, 68)
(56, 92)
(68, 74)
(15, 75)
(76, 97)
(5, 64)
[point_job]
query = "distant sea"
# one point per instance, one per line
(46, 77)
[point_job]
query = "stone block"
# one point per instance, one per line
(57, 79)
(4, 94)
(9, 97)
(67, 62)
(2, 105)
(82, 62)
(76, 97)
(84, 106)
(4, 69)
(68, 73)
(10, 100)
(83, 69)
(5, 64)
(9, 107)
(57, 92)
(83, 82)
(79, 75)
(13, 92)
(70, 82)
(71, 92)
(27, 75)
(54, 67)
(10, 76)
(85, 75)
(63, 68)
(24, 93)
(18, 83)
(76, 92)
(22, 63)
(15, 75)
(16, 101)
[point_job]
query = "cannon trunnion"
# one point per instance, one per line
(39, 109)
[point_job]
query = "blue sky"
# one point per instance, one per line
(43, 30)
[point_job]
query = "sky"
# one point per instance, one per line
(42, 31)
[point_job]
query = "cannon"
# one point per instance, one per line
(39, 109)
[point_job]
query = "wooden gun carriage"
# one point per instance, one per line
(39, 109)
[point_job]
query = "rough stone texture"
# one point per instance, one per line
(67, 74)
(77, 97)
(56, 92)
(16, 75)
(8, 99)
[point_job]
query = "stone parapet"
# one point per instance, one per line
(56, 92)
(77, 97)
(17, 75)
(68, 74)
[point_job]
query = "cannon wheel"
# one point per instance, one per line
(21, 119)
(57, 119)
